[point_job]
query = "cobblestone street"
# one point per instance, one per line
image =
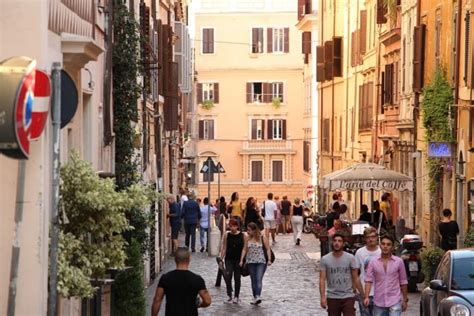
(290, 285)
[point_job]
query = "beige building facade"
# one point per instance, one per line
(250, 104)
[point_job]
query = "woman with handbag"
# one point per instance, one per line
(256, 252)
(231, 251)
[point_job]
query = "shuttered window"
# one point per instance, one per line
(208, 41)
(363, 32)
(306, 41)
(366, 104)
(382, 10)
(467, 27)
(320, 74)
(389, 84)
(257, 40)
(337, 56)
(278, 39)
(277, 170)
(257, 129)
(277, 129)
(206, 129)
(328, 60)
(438, 31)
(277, 91)
(257, 170)
(325, 139)
(306, 155)
(418, 56)
(207, 91)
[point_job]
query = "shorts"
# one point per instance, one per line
(175, 230)
(269, 223)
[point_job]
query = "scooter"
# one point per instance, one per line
(411, 245)
(308, 221)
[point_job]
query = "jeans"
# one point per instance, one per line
(233, 269)
(201, 236)
(190, 230)
(297, 223)
(256, 270)
(366, 311)
(395, 310)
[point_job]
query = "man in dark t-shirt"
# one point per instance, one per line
(181, 288)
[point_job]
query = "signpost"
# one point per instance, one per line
(209, 167)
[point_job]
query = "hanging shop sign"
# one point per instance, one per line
(439, 150)
(22, 114)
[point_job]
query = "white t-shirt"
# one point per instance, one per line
(363, 257)
(183, 199)
(270, 208)
(204, 222)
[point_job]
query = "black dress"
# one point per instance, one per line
(251, 216)
(449, 232)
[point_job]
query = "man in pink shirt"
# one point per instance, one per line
(388, 276)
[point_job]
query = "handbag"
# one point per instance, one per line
(272, 255)
(244, 269)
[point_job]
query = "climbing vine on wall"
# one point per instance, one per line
(126, 92)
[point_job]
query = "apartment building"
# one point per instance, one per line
(250, 106)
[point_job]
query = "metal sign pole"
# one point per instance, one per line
(53, 254)
(209, 171)
(218, 180)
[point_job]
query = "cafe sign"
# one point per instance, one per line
(378, 185)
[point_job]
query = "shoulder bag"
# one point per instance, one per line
(272, 258)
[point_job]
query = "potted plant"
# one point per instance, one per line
(276, 102)
(207, 104)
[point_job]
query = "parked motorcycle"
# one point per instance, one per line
(308, 221)
(411, 245)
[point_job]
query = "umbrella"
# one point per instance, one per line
(367, 176)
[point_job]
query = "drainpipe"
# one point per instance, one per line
(333, 90)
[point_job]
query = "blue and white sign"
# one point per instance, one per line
(439, 150)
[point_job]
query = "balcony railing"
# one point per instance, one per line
(72, 16)
(267, 144)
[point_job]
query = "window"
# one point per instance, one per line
(256, 93)
(366, 92)
(325, 135)
(206, 129)
(438, 30)
(257, 40)
(277, 129)
(207, 91)
(207, 41)
(277, 170)
(257, 171)
(277, 90)
(258, 129)
(278, 40)
(306, 155)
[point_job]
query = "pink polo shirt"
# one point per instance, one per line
(386, 284)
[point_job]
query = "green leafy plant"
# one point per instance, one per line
(469, 239)
(129, 297)
(391, 6)
(430, 259)
(91, 237)
(207, 104)
(276, 102)
(437, 98)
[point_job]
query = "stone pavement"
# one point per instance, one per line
(290, 285)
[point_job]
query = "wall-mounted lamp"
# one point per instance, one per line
(91, 83)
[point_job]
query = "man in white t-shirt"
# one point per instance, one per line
(269, 208)
(363, 257)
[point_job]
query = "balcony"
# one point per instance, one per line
(267, 146)
(72, 16)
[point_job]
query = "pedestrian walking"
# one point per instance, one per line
(278, 219)
(269, 216)
(252, 214)
(257, 253)
(235, 207)
(191, 214)
(363, 256)
(181, 288)
(297, 220)
(204, 223)
(386, 274)
(285, 215)
(364, 214)
(174, 216)
(222, 224)
(231, 252)
(448, 230)
(339, 270)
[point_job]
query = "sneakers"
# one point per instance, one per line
(229, 300)
(257, 300)
(236, 300)
(298, 241)
(202, 249)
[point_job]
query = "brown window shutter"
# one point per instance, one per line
(283, 129)
(160, 57)
(270, 129)
(363, 32)
(301, 8)
(328, 60)
(269, 40)
(418, 57)
(381, 11)
(199, 93)
(286, 42)
(254, 129)
(216, 92)
(211, 41)
(201, 129)
(211, 129)
(277, 170)
(382, 92)
(267, 92)
(370, 104)
(174, 83)
(387, 84)
(263, 129)
(254, 40)
(249, 92)
(338, 53)
(361, 107)
(205, 41)
(305, 156)
(320, 75)
(353, 61)
(306, 41)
